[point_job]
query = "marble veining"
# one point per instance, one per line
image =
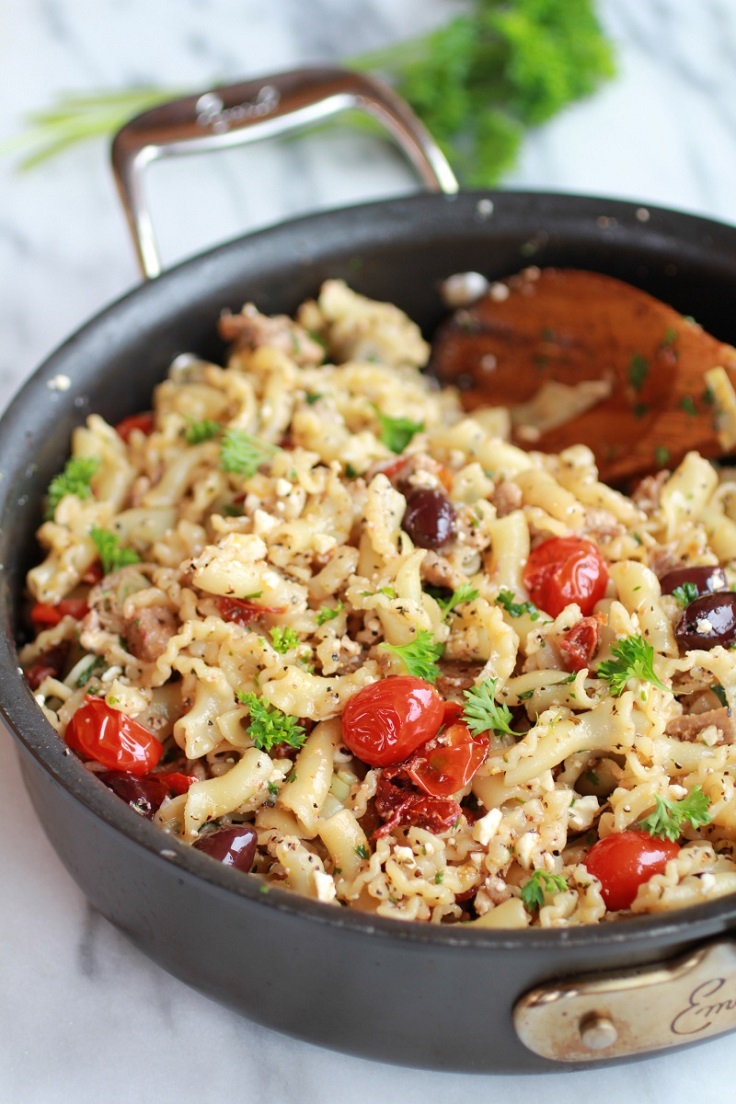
(84, 1016)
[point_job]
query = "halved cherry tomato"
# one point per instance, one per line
(562, 570)
(625, 860)
(117, 741)
(43, 614)
(448, 761)
(579, 645)
(398, 804)
(143, 421)
(385, 722)
(177, 781)
(242, 611)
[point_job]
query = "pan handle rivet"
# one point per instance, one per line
(597, 1031)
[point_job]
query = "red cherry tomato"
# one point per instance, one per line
(385, 722)
(562, 570)
(144, 422)
(625, 860)
(448, 761)
(43, 614)
(117, 741)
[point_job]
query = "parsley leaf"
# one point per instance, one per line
(638, 371)
(243, 454)
(685, 594)
(633, 658)
(464, 593)
(268, 725)
(505, 598)
(197, 433)
(396, 433)
(284, 638)
(74, 479)
(112, 556)
(541, 883)
(329, 613)
(419, 656)
(482, 713)
(669, 816)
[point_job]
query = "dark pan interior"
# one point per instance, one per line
(398, 251)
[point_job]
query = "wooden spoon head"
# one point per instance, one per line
(633, 367)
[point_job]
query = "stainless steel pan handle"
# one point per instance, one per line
(254, 110)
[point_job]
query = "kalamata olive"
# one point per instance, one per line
(233, 846)
(430, 517)
(145, 795)
(708, 621)
(705, 578)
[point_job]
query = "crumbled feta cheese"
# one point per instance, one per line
(324, 885)
(485, 829)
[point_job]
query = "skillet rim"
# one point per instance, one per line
(613, 220)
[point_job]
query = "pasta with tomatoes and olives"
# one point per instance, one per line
(322, 625)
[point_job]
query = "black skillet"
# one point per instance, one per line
(444, 998)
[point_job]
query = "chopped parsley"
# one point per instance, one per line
(243, 454)
(96, 667)
(112, 555)
(633, 658)
(540, 884)
(197, 432)
(687, 403)
(464, 593)
(387, 591)
(668, 817)
(270, 726)
(419, 656)
(362, 851)
(661, 456)
(505, 598)
(685, 594)
(396, 433)
(284, 638)
(312, 397)
(638, 371)
(329, 613)
(75, 479)
(482, 713)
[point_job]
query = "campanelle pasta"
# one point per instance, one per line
(221, 578)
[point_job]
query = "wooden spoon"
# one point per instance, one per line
(580, 357)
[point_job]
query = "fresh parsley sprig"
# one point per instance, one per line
(633, 657)
(482, 713)
(112, 555)
(243, 454)
(419, 656)
(75, 479)
(540, 884)
(270, 726)
(668, 817)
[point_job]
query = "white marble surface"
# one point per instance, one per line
(84, 1016)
